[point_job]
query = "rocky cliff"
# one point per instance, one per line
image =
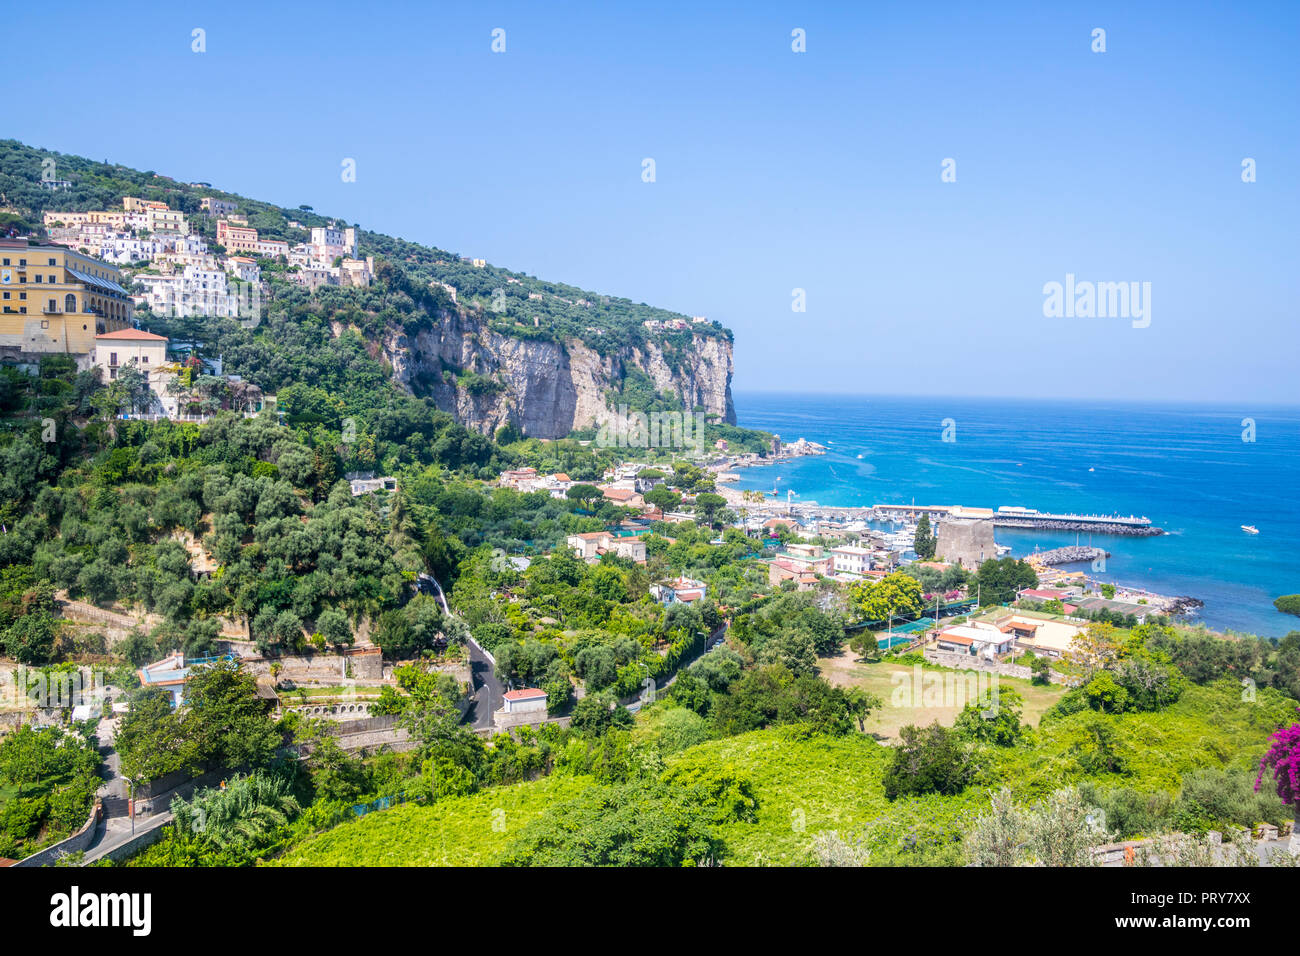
(547, 389)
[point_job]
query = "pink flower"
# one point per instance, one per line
(1283, 758)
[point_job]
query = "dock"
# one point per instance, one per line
(1004, 517)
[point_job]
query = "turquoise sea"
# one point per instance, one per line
(1186, 467)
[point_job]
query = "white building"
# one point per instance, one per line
(528, 700)
(244, 268)
(201, 289)
(330, 243)
(124, 248)
(977, 639)
(851, 559)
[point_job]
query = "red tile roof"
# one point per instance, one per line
(526, 694)
(955, 639)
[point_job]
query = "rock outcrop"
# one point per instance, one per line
(547, 388)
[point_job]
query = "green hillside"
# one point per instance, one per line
(605, 323)
(808, 784)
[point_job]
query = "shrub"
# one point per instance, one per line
(928, 760)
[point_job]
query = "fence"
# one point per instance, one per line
(383, 803)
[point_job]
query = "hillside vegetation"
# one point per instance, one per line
(606, 323)
(804, 785)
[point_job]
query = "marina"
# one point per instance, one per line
(1177, 466)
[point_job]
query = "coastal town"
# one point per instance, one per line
(297, 556)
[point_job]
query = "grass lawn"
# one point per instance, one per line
(884, 679)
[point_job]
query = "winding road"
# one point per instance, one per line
(488, 693)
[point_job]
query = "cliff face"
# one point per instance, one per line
(547, 389)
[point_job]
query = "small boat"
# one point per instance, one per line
(859, 458)
(1249, 529)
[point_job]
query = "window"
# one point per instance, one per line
(39, 277)
(69, 303)
(53, 261)
(54, 306)
(112, 358)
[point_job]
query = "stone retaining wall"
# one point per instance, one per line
(970, 662)
(73, 844)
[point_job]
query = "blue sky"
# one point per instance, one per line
(774, 170)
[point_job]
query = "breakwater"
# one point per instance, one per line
(1071, 554)
(1090, 526)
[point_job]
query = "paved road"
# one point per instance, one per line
(114, 828)
(716, 638)
(489, 692)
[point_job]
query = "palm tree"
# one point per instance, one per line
(245, 812)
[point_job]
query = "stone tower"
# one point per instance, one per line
(966, 541)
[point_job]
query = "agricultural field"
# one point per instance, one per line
(456, 831)
(885, 678)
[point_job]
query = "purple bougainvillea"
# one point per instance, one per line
(1283, 758)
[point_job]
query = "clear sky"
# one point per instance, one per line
(775, 170)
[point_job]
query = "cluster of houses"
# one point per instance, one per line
(620, 485)
(674, 325)
(180, 274)
(77, 293)
(528, 480)
(858, 559)
(1009, 634)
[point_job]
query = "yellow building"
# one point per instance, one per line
(53, 299)
(132, 204)
(101, 217)
(167, 220)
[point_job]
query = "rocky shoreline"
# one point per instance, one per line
(1183, 605)
(1071, 554)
